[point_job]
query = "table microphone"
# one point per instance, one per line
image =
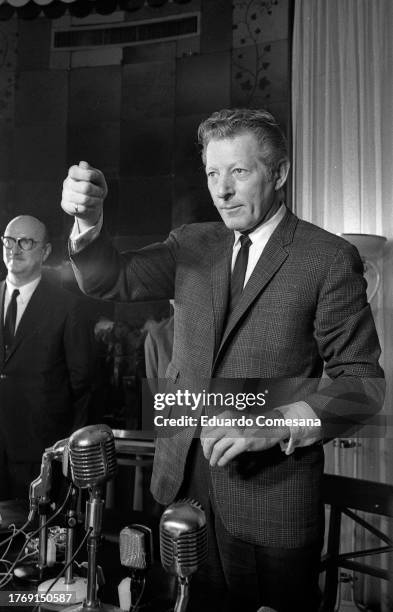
(183, 543)
(136, 553)
(41, 486)
(92, 458)
(39, 498)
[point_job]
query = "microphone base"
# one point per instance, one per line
(101, 608)
(78, 588)
(32, 574)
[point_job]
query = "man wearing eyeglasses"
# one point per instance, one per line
(45, 358)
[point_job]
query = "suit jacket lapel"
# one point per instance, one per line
(34, 312)
(272, 258)
(220, 280)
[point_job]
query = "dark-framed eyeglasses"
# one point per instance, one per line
(26, 244)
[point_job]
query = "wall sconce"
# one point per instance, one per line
(370, 247)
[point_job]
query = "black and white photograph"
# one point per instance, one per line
(196, 321)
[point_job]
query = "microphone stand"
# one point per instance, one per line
(34, 573)
(183, 593)
(70, 532)
(94, 508)
(69, 583)
(94, 511)
(43, 540)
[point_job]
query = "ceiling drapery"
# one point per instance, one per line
(53, 9)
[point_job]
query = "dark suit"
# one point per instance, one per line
(45, 380)
(304, 304)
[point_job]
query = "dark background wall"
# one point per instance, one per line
(131, 111)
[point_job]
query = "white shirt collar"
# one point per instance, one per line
(26, 291)
(265, 230)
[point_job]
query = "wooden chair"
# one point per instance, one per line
(346, 495)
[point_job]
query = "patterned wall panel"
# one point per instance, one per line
(260, 54)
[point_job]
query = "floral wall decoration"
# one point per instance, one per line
(258, 25)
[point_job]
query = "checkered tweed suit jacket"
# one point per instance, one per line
(304, 304)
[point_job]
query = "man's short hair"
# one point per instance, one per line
(231, 122)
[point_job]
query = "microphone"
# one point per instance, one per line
(41, 486)
(59, 452)
(183, 544)
(136, 553)
(92, 458)
(39, 499)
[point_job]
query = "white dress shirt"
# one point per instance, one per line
(259, 238)
(25, 293)
(79, 240)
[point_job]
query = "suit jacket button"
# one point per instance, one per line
(3, 376)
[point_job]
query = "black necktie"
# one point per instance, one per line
(10, 320)
(239, 272)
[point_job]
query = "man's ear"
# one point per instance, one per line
(282, 174)
(47, 251)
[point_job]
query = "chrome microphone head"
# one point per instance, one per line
(92, 455)
(183, 538)
(136, 544)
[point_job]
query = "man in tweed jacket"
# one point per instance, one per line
(302, 305)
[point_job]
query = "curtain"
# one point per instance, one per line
(342, 116)
(342, 92)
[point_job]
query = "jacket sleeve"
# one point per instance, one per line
(348, 343)
(145, 274)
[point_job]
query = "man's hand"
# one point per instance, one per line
(84, 191)
(222, 444)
